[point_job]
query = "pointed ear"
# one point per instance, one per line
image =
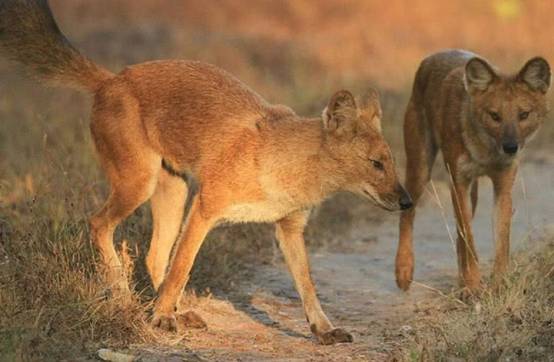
(536, 74)
(478, 76)
(371, 109)
(341, 112)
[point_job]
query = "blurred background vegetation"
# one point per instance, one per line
(291, 51)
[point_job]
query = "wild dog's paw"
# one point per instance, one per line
(191, 319)
(404, 269)
(472, 289)
(471, 295)
(336, 335)
(115, 280)
(404, 274)
(165, 321)
(121, 290)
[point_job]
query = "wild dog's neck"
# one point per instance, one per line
(469, 123)
(473, 139)
(305, 165)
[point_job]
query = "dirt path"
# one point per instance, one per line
(263, 319)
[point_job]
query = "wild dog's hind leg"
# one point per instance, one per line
(131, 167)
(130, 187)
(168, 203)
(289, 232)
(421, 152)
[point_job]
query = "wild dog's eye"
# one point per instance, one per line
(377, 164)
(495, 116)
(523, 116)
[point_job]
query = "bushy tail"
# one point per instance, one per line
(29, 35)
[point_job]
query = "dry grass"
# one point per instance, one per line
(513, 322)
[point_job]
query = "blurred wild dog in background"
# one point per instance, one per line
(480, 120)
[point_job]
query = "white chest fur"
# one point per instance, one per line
(470, 169)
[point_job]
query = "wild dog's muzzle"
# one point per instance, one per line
(510, 147)
(510, 144)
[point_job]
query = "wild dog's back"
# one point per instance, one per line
(434, 69)
(439, 81)
(185, 107)
(181, 89)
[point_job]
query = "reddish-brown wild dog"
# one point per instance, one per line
(158, 124)
(480, 120)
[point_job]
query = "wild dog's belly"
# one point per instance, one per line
(261, 211)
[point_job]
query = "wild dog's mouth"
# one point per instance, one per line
(377, 201)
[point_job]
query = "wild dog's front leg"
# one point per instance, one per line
(195, 230)
(289, 232)
(468, 264)
(503, 182)
(421, 152)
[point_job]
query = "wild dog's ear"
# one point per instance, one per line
(536, 74)
(371, 109)
(478, 76)
(341, 112)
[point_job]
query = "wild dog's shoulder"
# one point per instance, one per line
(279, 111)
(276, 116)
(448, 58)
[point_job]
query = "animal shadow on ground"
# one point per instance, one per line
(237, 283)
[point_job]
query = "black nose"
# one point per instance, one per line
(405, 202)
(510, 147)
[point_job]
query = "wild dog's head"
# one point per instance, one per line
(510, 108)
(354, 140)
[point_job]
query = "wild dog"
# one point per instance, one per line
(206, 149)
(481, 120)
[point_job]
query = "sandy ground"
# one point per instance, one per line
(262, 320)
